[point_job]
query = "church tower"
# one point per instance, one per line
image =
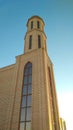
(29, 86)
(42, 111)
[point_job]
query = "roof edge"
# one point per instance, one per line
(34, 17)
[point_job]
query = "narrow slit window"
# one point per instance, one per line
(30, 42)
(31, 24)
(39, 41)
(38, 24)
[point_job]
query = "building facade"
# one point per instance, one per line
(28, 99)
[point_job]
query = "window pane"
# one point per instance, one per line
(28, 125)
(29, 100)
(24, 90)
(22, 126)
(26, 71)
(25, 79)
(24, 101)
(29, 85)
(29, 89)
(30, 70)
(22, 114)
(29, 65)
(29, 79)
(28, 115)
(25, 85)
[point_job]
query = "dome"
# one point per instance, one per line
(35, 16)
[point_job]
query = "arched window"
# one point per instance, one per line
(25, 114)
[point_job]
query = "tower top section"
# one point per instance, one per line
(35, 22)
(35, 37)
(33, 17)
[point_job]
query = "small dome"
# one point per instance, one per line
(35, 17)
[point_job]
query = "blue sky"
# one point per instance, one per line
(58, 18)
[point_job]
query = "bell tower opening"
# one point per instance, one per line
(38, 24)
(31, 24)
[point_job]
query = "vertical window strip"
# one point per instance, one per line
(38, 24)
(25, 114)
(30, 42)
(39, 41)
(31, 24)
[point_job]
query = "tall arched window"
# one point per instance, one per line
(25, 114)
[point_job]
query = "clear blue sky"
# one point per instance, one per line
(58, 18)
